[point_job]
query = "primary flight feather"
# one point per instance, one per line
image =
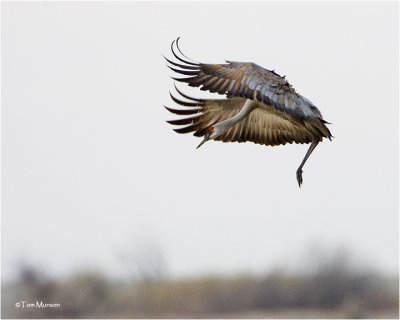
(261, 106)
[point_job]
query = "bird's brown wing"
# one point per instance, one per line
(262, 126)
(245, 79)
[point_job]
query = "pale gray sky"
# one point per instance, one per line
(90, 168)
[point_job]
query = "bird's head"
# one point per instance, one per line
(211, 133)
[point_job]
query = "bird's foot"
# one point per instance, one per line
(299, 176)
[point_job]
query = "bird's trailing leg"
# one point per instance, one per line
(299, 172)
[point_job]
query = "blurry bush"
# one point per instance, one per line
(145, 261)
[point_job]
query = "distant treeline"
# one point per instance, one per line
(330, 288)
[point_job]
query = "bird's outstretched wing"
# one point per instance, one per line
(260, 126)
(244, 79)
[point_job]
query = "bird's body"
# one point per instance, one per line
(261, 106)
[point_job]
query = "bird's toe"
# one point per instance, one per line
(299, 176)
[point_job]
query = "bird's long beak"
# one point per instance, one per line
(206, 138)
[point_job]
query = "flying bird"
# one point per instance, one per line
(260, 106)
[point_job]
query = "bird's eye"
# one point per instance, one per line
(211, 130)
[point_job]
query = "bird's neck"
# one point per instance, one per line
(225, 125)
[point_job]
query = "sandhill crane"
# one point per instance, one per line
(260, 106)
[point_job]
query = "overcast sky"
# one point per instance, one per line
(91, 169)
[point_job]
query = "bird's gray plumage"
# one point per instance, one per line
(276, 114)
